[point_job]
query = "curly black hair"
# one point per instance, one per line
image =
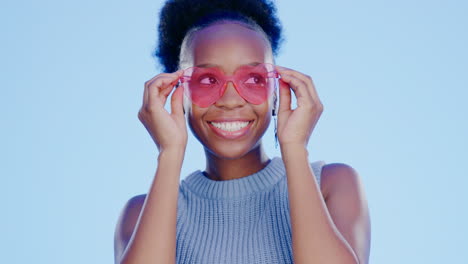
(177, 17)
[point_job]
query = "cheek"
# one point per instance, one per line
(195, 119)
(264, 115)
(267, 108)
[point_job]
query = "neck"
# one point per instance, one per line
(222, 169)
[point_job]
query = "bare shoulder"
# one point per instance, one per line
(126, 223)
(344, 195)
(336, 176)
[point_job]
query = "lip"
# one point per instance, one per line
(230, 134)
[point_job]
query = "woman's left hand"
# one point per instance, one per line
(296, 125)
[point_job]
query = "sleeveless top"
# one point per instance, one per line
(243, 220)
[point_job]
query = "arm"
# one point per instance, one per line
(126, 224)
(152, 237)
(347, 204)
(334, 230)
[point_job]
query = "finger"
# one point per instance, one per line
(177, 107)
(159, 91)
(151, 81)
(174, 75)
(298, 86)
(147, 86)
(160, 88)
(305, 78)
(284, 96)
(304, 98)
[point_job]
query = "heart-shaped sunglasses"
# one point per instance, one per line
(204, 86)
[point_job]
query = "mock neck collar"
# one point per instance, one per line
(262, 180)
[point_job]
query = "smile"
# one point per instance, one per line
(230, 129)
(230, 126)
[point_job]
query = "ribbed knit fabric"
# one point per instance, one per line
(244, 220)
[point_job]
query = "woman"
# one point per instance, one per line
(244, 207)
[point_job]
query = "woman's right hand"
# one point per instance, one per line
(168, 130)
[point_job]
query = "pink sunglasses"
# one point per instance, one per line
(204, 86)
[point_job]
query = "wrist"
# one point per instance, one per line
(293, 147)
(293, 152)
(172, 154)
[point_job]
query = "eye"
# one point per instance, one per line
(255, 80)
(208, 80)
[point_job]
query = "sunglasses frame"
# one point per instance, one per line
(271, 74)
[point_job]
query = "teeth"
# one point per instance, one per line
(230, 126)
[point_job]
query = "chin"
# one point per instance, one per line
(231, 151)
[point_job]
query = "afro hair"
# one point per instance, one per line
(177, 17)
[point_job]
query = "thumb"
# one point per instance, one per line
(177, 107)
(285, 96)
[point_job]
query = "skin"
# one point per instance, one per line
(330, 223)
(215, 46)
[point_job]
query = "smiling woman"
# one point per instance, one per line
(244, 207)
(231, 47)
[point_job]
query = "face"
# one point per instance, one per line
(231, 127)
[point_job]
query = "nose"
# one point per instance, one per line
(230, 98)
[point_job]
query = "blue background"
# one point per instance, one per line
(391, 75)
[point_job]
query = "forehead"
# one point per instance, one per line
(229, 45)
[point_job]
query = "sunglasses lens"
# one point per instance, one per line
(203, 85)
(256, 83)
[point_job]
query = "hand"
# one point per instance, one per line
(168, 130)
(296, 125)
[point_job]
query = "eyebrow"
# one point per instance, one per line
(211, 65)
